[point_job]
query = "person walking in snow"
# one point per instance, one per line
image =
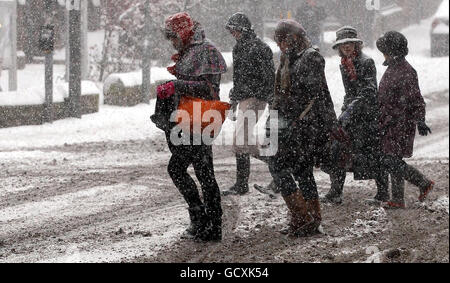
(198, 70)
(359, 120)
(306, 120)
(253, 81)
(402, 110)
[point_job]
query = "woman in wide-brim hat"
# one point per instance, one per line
(346, 34)
(358, 119)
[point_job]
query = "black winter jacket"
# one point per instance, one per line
(363, 90)
(360, 114)
(253, 69)
(307, 83)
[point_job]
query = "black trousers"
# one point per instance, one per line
(304, 175)
(201, 158)
(291, 171)
(401, 171)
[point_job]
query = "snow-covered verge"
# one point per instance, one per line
(109, 124)
(31, 88)
(34, 97)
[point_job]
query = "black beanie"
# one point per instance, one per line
(393, 43)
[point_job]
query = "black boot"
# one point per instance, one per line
(270, 189)
(334, 196)
(382, 182)
(273, 186)
(198, 219)
(416, 178)
(242, 174)
(212, 231)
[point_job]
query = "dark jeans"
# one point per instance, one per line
(201, 157)
(401, 171)
(398, 188)
(398, 167)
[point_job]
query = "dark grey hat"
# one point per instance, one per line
(346, 34)
(239, 21)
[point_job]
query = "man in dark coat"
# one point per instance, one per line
(306, 119)
(402, 110)
(198, 70)
(253, 79)
(359, 118)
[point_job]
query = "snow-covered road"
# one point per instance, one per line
(96, 189)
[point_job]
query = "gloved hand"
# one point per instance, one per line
(172, 70)
(232, 114)
(176, 57)
(424, 130)
(338, 134)
(165, 90)
(345, 117)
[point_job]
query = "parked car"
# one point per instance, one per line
(439, 31)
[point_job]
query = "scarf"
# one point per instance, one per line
(347, 62)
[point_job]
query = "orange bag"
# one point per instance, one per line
(202, 113)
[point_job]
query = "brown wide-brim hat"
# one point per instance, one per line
(346, 34)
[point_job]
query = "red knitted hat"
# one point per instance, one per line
(180, 24)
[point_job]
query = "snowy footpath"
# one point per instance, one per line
(96, 190)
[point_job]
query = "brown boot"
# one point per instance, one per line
(313, 219)
(297, 209)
